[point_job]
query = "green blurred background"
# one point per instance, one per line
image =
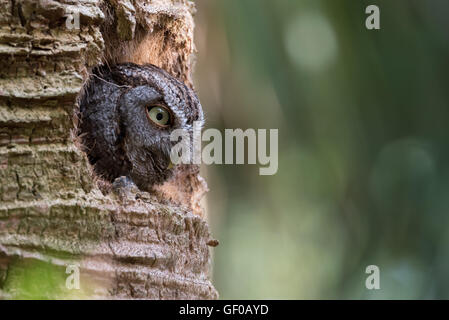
(363, 146)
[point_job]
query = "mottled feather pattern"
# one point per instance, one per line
(119, 138)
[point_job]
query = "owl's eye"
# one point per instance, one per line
(159, 115)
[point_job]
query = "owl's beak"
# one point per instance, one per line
(170, 165)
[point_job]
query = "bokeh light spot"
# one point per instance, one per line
(310, 41)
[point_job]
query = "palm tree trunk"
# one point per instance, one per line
(55, 222)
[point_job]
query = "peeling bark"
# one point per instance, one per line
(52, 212)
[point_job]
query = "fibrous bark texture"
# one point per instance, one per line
(54, 220)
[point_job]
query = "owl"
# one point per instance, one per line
(127, 113)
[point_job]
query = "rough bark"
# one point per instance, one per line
(52, 212)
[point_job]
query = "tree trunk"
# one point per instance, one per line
(54, 219)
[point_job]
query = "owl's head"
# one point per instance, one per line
(128, 113)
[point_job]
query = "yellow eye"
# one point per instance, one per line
(159, 115)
